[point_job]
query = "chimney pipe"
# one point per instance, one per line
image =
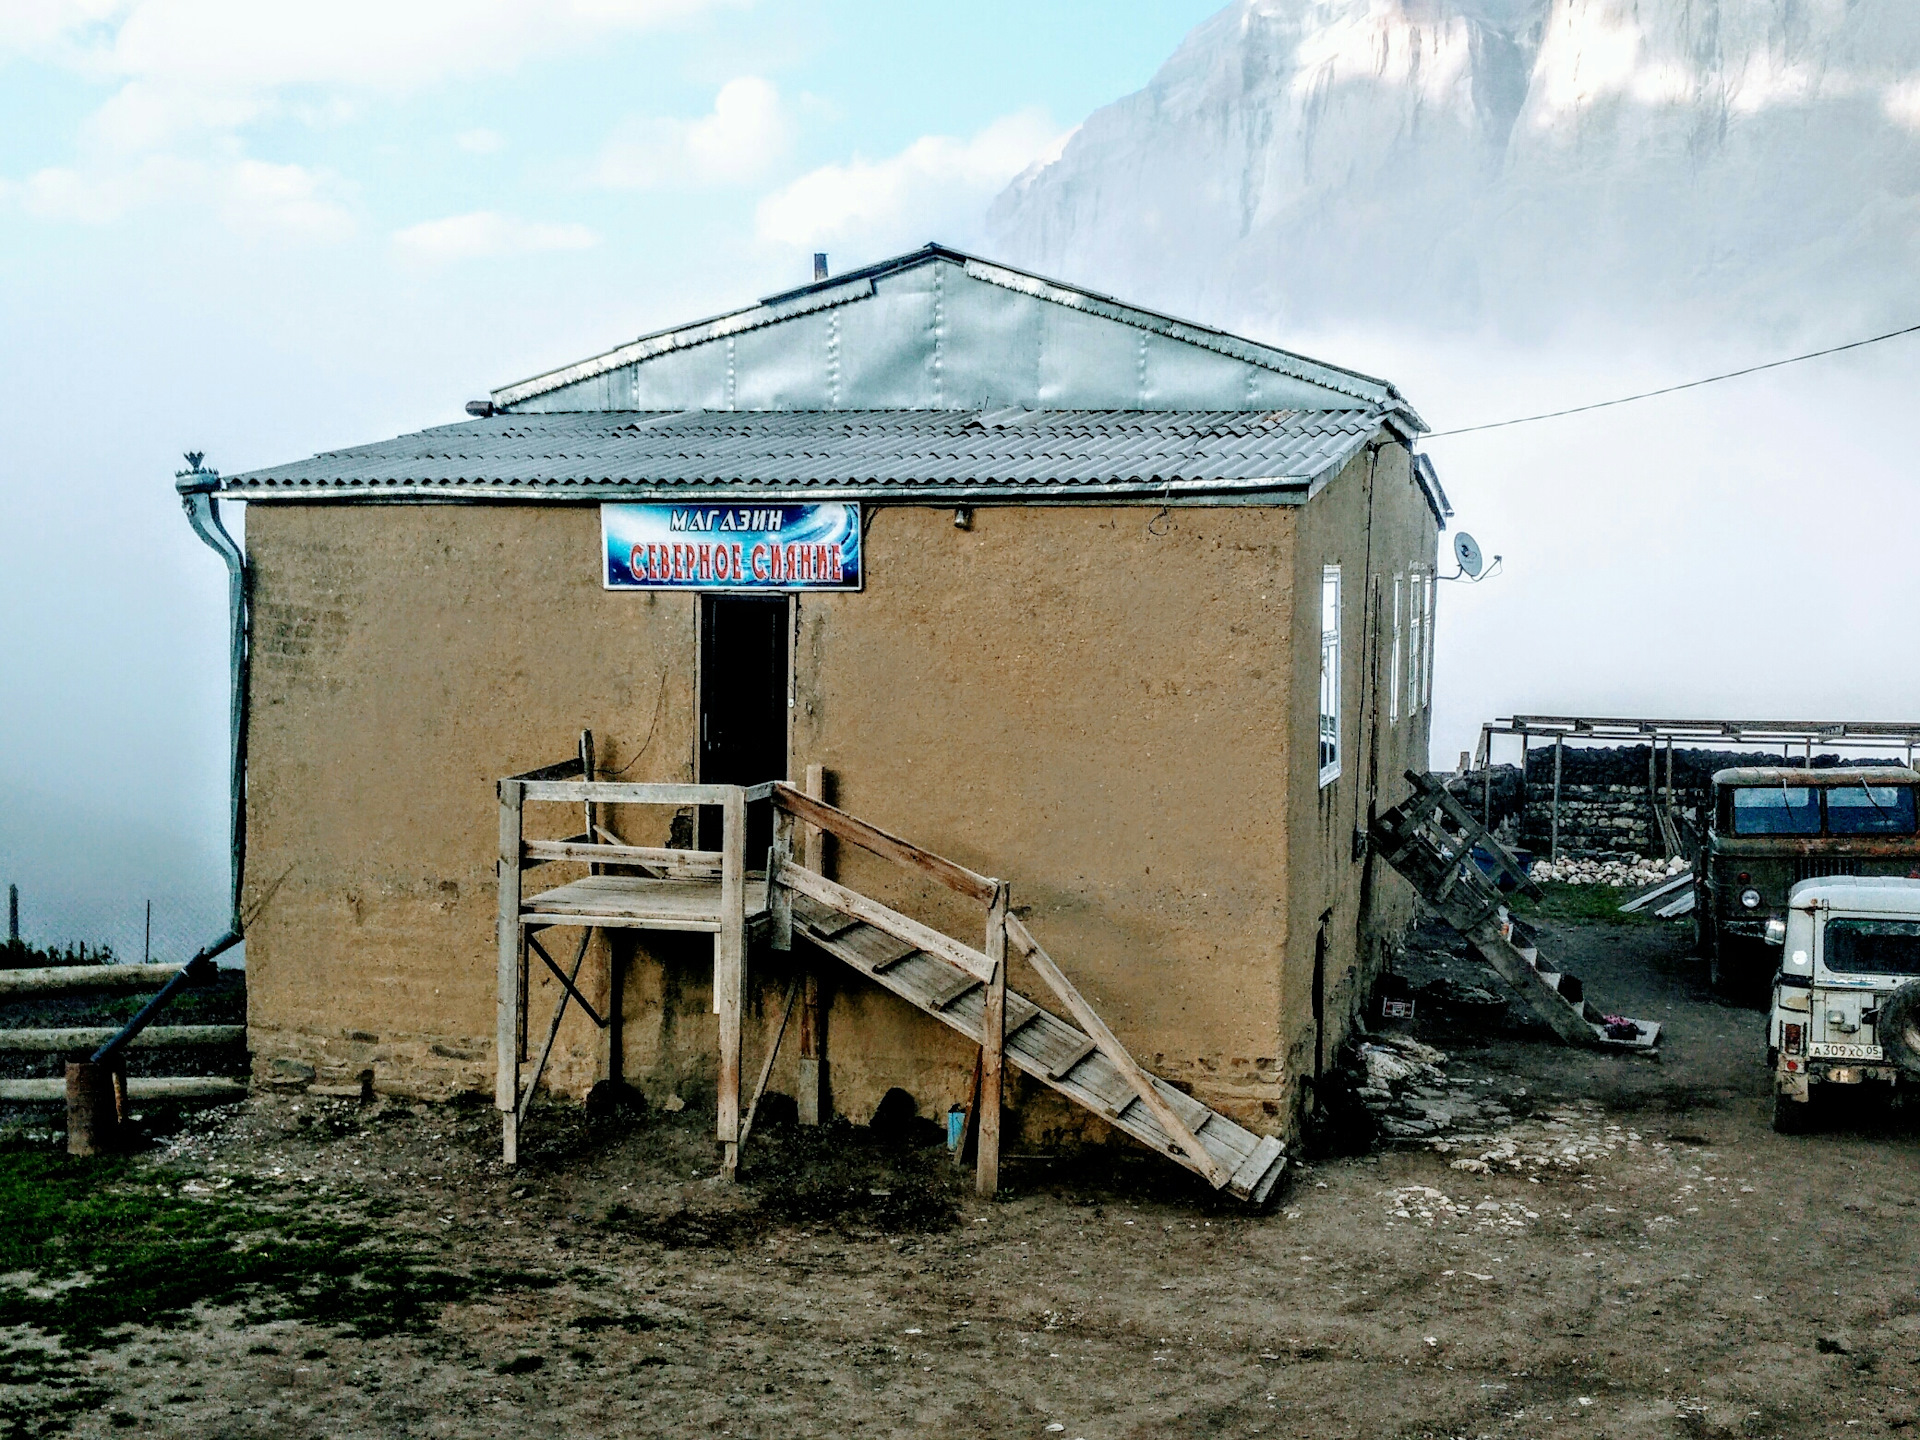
(819, 265)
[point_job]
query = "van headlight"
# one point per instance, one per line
(1750, 899)
(1776, 932)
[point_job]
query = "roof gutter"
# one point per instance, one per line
(197, 487)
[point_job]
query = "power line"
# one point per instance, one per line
(1672, 389)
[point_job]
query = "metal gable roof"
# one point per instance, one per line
(939, 329)
(1273, 456)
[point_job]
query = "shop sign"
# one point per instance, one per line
(731, 547)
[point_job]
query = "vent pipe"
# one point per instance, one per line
(819, 265)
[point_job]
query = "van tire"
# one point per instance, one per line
(1790, 1116)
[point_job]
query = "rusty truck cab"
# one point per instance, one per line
(1772, 827)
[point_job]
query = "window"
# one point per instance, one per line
(1776, 810)
(1415, 646)
(1426, 659)
(1873, 947)
(1329, 675)
(1393, 666)
(1870, 810)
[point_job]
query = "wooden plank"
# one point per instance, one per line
(1254, 1168)
(896, 951)
(1123, 1061)
(814, 850)
(620, 792)
(879, 842)
(993, 1047)
(84, 977)
(835, 925)
(139, 1087)
(850, 902)
(563, 770)
(1057, 1069)
(779, 897)
(766, 1069)
(507, 1007)
(730, 970)
(154, 1037)
(956, 987)
(692, 860)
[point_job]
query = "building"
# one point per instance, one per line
(1133, 613)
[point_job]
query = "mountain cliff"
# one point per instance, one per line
(1726, 165)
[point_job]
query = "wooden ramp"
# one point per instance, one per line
(1432, 841)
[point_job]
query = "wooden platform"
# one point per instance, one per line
(636, 902)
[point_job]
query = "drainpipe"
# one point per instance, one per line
(198, 486)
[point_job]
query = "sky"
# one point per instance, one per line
(261, 230)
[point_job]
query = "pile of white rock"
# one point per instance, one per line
(1626, 873)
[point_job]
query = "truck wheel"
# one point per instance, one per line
(1790, 1116)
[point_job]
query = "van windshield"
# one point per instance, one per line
(1776, 810)
(1870, 810)
(1873, 947)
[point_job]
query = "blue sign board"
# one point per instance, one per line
(731, 547)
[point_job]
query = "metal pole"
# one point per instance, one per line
(1554, 850)
(146, 945)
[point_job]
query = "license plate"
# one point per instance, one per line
(1826, 1050)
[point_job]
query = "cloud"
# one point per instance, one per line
(1902, 104)
(254, 197)
(486, 235)
(936, 187)
(747, 131)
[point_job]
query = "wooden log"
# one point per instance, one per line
(1216, 1173)
(56, 978)
(154, 1037)
(729, 969)
(507, 976)
(924, 937)
(879, 842)
(139, 1087)
(993, 1047)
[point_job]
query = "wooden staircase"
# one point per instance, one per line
(1431, 840)
(963, 987)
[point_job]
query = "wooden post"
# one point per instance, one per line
(812, 1101)
(507, 1017)
(93, 1108)
(1553, 850)
(730, 969)
(780, 897)
(993, 1041)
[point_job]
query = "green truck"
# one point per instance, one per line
(1772, 827)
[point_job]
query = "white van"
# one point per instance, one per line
(1846, 1001)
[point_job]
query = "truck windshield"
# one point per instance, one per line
(1870, 810)
(1873, 947)
(1776, 810)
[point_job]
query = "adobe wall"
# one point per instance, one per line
(1060, 697)
(1375, 524)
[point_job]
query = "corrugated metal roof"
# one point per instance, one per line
(867, 454)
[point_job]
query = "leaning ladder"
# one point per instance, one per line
(1431, 839)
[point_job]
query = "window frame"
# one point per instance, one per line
(1327, 738)
(1393, 665)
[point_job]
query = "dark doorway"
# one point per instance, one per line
(743, 707)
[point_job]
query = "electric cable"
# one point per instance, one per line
(1673, 389)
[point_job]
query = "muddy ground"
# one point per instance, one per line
(1579, 1245)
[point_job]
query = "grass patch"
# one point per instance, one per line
(1579, 904)
(108, 1247)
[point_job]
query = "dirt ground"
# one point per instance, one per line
(1576, 1245)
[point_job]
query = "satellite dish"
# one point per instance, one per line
(1467, 551)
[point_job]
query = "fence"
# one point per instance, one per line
(55, 927)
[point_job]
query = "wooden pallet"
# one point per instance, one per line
(1430, 839)
(885, 948)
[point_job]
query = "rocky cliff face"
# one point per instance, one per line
(1752, 164)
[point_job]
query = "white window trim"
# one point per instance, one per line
(1329, 671)
(1426, 678)
(1393, 665)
